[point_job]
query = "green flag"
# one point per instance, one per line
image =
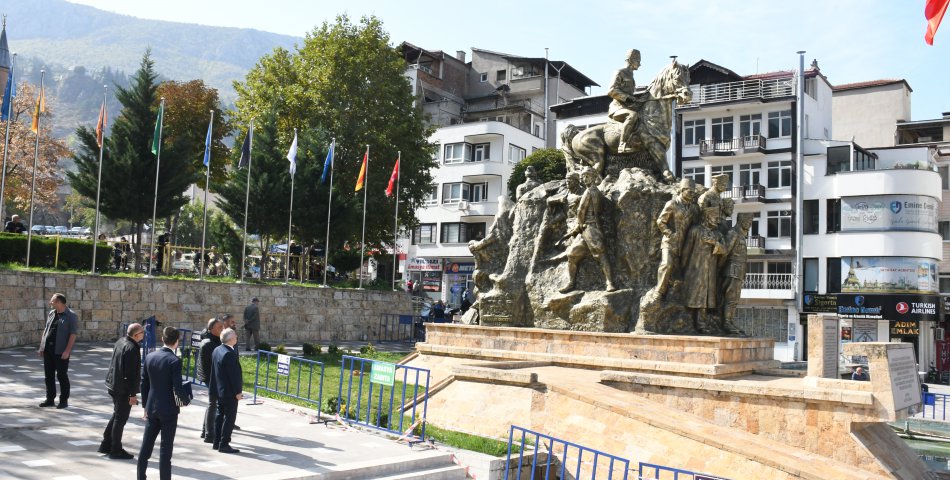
(157, 139)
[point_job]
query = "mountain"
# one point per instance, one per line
(83, 48)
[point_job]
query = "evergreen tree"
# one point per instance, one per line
(128, 173)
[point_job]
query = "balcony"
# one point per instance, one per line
(769, 285)
(746, 194)
(755, 242)
(732, 147)
(742, 90)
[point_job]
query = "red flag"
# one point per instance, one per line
(101, 124)
(392, 179)
(933, 12)
(361, 181)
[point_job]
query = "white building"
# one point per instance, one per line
(490, 114)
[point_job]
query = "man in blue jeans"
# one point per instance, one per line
(161, 382)
(59, 336)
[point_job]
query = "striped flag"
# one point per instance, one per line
(362, 178)
(933, 12)
(40, 108)
(101, 124)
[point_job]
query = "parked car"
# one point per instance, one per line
(50, 230)
(75, 231)
(39, 230)
(61, 230)
(184, 263)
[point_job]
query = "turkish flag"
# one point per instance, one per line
(933, 12)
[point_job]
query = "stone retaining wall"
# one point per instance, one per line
(288, 313)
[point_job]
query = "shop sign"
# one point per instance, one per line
(888, 213)
(817, 303)
(420, 264)
(905, 329)
(907, 308)
(889, 275)
(460, 268)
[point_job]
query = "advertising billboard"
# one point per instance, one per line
(896, 308)
(889, 212)
(889, 275)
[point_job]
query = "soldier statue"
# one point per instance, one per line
(531, 182)
(625, 105)
(732, 271)
(588, 238)
(674, 221)
(701, 252)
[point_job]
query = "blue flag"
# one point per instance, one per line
(208, 144)
(327, 165)
(9, 92)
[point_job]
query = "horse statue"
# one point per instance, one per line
(597, 146)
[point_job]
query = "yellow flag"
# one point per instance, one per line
(40, 108)
(360, 182)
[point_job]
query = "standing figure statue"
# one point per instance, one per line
(560, 207)
(624, 107)
(588, 238)
(713, 196)
(674, 221)
(490, 252)
(531, 181)
(700, 261)
(732, 271)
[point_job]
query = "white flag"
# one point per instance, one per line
(292, 155)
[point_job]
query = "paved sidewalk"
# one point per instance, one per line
(275, 442)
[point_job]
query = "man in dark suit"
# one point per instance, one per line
(161, 381)
(228, 382)
(122, 381)
(210, 340)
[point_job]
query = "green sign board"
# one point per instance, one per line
(383, 373)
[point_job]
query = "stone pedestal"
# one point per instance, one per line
(823, 346)
(894, 379)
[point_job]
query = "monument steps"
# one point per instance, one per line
(443, 473)
(433, 465)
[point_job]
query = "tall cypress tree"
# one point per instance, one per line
(128, 169)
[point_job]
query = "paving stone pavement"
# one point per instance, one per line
(52, 444)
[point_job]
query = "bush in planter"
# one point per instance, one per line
(310, 349)
(263, 346)
(368, 349)
(74, 253)
(333, 349)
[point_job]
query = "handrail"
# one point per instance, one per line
(742, 90)
(768, 281)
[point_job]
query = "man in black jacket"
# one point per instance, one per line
(228, 382)
(209, 341)
(122, 381)
(161, 383)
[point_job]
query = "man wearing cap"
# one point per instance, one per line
(252, 323)
(674, 221)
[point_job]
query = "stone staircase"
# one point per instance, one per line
(429, 466)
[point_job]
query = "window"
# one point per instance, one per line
(839, 159)
(780, 174)
(944, 171)
(750, 125)
(755, 267)
(780, 267)
(764, 323)
(833, 215)
(433, 197)
(722, 169)
(462, 232)
(479, 192)
(457, 153)
(780, 124)
(481, 152)
(811, 275)
(779, 224)
(754, 229)
(515, 153)
(454, 192)
(424, 234)
(810, 217)
(694, 131)
(501, 75)
(944, 229)
(698, 174)
(537, 129)
(749, 174)
(476, 231)
(483, 77)
(811, 87)
(722, 129)
(944, 284)
(833, 275)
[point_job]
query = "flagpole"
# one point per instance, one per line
(396, 221)
(102, 147)
(363, 238)
(158, 162)
(290, 217)
(6, 140)
(326, 246)
(36, 153)
(204, 223)
(247, 196)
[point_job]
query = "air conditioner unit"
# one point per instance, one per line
(463, 205)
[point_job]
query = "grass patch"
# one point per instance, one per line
(475, 443)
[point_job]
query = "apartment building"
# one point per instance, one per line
(490, 114)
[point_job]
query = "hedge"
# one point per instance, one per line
(74, 253)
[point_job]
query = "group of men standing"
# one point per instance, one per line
(159, 381)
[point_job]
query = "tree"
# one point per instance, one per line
(19, 167)
(345, 80)
(188, 107)
(548, 163)
(128, 173)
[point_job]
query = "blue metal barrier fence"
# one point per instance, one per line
(648, 471)
(395, 328)
(289, 367)
(377, 408)
(586, 461)
(934, 405)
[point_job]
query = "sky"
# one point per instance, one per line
(852, 40)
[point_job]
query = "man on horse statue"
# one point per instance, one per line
(626, 104)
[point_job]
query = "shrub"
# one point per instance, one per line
(281, 349)
(74, 253)
(310, 349)
(333, 349)
(263, 346)
(368, 349)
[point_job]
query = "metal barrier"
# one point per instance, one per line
(616, 467)
(394, 327)
(287, 366)
(934, 405)
(648, 471)
(399, 379)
